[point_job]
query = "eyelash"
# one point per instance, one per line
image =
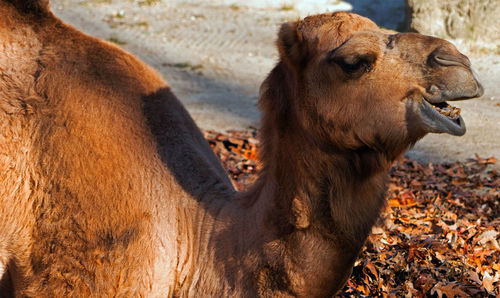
(351, 68)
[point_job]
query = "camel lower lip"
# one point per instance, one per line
(443, 118)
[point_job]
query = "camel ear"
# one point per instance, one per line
(290, 45)
(31, 6)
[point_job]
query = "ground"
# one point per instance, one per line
(216, 53)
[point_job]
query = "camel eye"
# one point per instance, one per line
(355, 65)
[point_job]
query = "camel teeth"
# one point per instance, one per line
(449, 111)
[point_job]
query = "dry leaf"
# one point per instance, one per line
(372, 269)
(475, 277)
(488, 283)
(450, 290)
(489, 236)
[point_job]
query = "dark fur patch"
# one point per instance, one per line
(270, 278)
(390, 42)
(6, 285)
(109, 239)
(31, 6)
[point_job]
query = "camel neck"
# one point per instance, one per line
(318, 205)
(308, 182)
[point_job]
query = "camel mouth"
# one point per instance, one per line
(443, 117)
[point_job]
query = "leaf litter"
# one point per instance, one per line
(438, 236)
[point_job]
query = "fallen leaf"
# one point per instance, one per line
(475, 277)
(450, 290)
(488, 283)
(372, 269)
(489, 236)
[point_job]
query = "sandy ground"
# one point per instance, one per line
(215, 54)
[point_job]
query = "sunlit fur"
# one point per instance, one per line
(108, 188)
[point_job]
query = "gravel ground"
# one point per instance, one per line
(215, 54)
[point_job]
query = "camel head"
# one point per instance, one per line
(357, 85)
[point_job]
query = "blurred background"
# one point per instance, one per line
(216, 53)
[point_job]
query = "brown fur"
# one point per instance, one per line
(108, 187)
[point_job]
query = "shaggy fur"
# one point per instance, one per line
(109, 189)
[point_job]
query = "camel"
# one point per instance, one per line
(110, 189)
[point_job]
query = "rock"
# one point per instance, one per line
(474, 20)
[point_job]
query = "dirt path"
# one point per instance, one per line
(216, 53)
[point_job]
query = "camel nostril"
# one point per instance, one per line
(446, 59)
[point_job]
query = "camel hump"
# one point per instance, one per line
(31, 6)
